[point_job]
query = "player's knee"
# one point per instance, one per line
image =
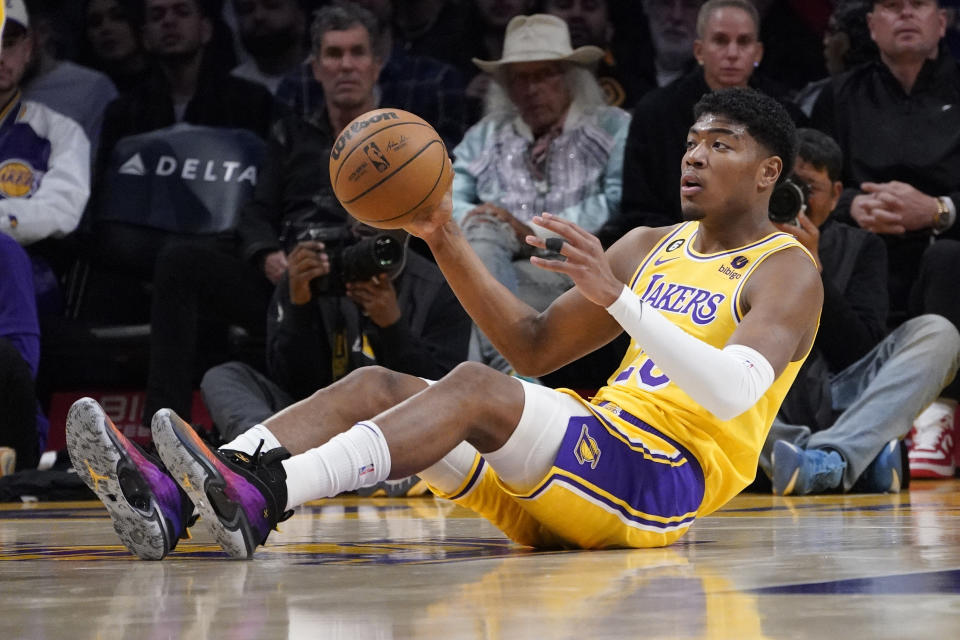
(384, 386)
(472, 375)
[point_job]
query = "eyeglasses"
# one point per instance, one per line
(529, 78)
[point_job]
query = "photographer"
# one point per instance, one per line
(329, 317)
(858, 392)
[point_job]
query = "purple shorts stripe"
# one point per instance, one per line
(646, 490)
(474, 477)
(592, 494)
(643, 426)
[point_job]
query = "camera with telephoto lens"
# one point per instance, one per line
(353, 257)
(788, 200)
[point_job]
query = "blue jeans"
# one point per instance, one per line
(880, 395)
(507, 258)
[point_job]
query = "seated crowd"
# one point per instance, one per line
(165, 176)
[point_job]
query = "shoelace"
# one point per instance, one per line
(254, 464)
(928, 435)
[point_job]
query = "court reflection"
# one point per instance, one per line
(561, 595)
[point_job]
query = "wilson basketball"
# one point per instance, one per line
(388, 165)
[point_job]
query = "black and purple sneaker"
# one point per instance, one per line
(150, 512)
(240, 497)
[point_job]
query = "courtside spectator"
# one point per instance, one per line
(547, 143)
(902, 173)
(273, 33)
(673, 29)
(429, 88)
(405, 318)
(70, 89)
(182, 88)
(846, 44)
(111, 43)
(44, 186)
(860, 389)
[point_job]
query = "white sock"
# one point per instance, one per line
(249, 440)
(356, 458)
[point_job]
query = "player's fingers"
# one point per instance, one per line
(557, 266)
(569, 230)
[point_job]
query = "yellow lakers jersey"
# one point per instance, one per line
(701, 293)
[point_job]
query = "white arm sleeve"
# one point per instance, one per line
(725, 382)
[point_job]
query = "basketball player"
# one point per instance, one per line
(722, 309)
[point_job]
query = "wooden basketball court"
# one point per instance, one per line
(846, 567)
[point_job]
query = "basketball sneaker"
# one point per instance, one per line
(884, 473)
(931, 452)
(799, 471)
(240, 497)
(150, 512)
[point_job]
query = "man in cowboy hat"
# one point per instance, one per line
(548, 142)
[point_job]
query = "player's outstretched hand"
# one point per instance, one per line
(586, 263)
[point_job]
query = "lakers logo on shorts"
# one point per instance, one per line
(587, 450)
(17, 179)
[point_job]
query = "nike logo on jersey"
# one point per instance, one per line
(659, 262)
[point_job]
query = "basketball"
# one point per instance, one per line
(387, 166)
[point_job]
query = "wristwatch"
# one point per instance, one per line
(944, 217)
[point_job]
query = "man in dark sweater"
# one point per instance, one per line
(859, 391)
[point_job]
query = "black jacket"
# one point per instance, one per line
(887, 134)
(293, 184)
(654, 150)
(853, 320)
(430, 338)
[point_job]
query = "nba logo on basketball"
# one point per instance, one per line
(376, 157)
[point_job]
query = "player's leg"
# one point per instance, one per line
(150, 511)
(244, 494)
(361, 394)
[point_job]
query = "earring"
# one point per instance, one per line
(756, 64)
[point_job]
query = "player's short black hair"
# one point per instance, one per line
(821, 151)
(765, 119)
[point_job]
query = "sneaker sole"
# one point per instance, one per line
(925, 470)
(196, 471)
(97, 453)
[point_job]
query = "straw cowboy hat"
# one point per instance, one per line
(536, 38)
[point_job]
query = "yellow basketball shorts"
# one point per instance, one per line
(616, 482)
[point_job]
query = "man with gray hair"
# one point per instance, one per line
(673, 28)
(427, 87)
(727, 50)
(547, 143)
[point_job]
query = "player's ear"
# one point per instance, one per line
(769, 171)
